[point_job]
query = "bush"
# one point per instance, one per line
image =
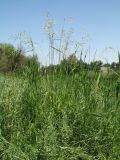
(13, 60)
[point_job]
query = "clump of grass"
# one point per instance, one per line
(62, 118)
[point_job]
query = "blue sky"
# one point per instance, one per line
(98, 18)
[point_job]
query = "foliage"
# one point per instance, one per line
(59, 112)
(95, 65)
(12, 59)
(59, 117)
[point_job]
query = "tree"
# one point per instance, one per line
(7, 54)
(114, 65)
(12, 59)
(95, 65)
(118, 59)
(70, 64)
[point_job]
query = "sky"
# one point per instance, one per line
(97, 18)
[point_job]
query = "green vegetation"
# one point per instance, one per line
(67, 111)
(59, 116)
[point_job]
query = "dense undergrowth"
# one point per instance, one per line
(59, 117)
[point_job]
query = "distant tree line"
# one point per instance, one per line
(13, 60)
(72, 65)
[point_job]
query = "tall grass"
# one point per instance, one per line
(59, 117)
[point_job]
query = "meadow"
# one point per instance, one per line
(60, 90)
(59, 117)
